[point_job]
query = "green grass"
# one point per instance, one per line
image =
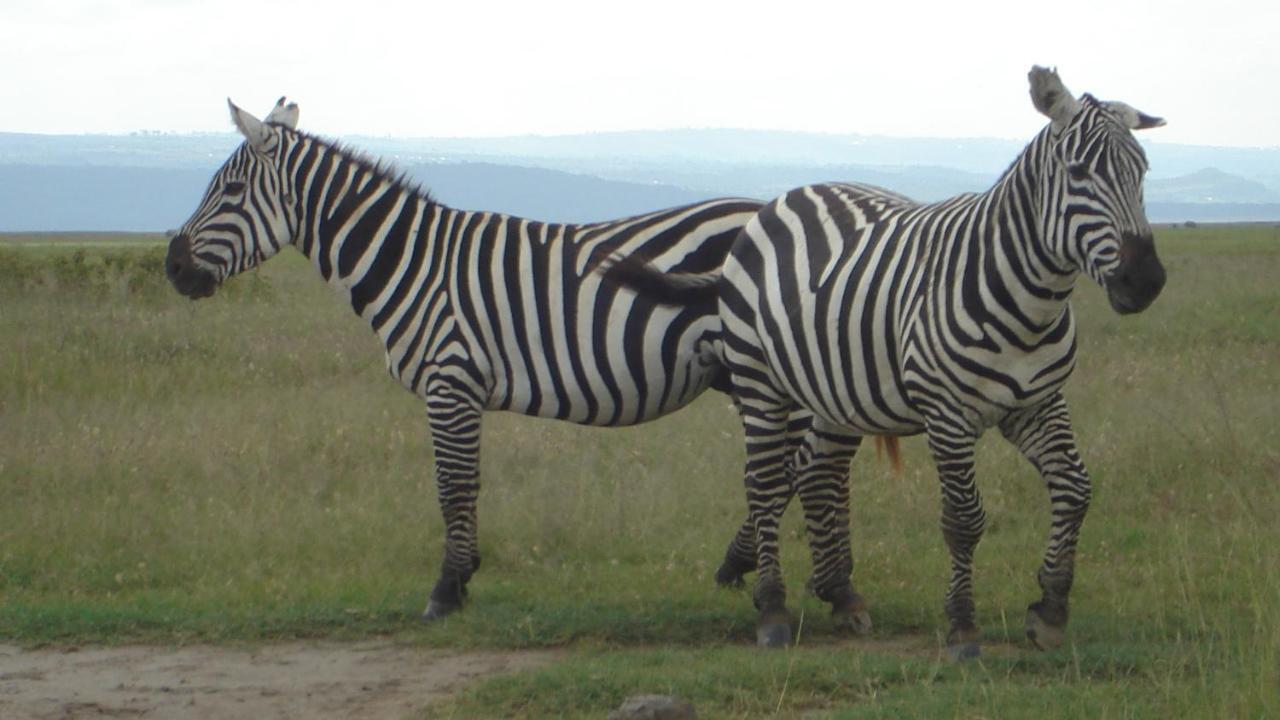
(242, 468)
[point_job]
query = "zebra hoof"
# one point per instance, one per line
(963, 652)
(775, 635)
(852, 620)
(1042, 634)
(962, 643)
(774, 630)
(437, 610)
(727, 577)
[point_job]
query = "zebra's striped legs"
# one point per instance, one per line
(963, 521)
(1043, 434)
(822, 480)
(455, 435)
(769, 489)
(817, 463)
(740, 558)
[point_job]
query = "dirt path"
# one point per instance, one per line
(294, 680)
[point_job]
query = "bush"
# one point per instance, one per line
(100, 273)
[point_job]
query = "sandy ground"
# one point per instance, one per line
(361, 681)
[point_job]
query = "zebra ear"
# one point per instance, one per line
(255, 132)
(282, 114)
(1051, 97)
(1133, 118)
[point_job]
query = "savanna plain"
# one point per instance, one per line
(241, 471)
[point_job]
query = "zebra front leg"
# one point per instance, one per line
(455, 436)
(1043, 434)
(963, 521)
(822, 481)
(769, 489)
(740, 558)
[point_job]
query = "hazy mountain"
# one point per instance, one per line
(67, 197)
(1210, 186)
(150, 181)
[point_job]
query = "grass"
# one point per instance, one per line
(242, 469)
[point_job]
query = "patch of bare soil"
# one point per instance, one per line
(361, 681)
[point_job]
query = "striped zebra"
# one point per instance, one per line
(477, 311)
(884, 316)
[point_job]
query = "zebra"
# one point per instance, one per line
(885, 316)
(477, 311)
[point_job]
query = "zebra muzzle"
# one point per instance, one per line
(188, 278)
(1137, 282)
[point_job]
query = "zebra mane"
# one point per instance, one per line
(380, 168)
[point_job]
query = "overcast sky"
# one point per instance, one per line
(479, 67)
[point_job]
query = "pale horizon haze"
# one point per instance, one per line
(470, 69)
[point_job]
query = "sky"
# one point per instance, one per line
(469, 68)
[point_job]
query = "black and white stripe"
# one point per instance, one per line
(883, 316)
(477, 310)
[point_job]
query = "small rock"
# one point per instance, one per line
(654, 707)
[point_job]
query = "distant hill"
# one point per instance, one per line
(65, 197)
(153, 181)
(1211, 186)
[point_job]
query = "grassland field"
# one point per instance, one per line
(242, 470)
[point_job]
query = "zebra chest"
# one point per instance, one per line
(983, 382)
(433, 347)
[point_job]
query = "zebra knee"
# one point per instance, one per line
(963, 529)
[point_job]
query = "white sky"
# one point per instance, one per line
(484, 67)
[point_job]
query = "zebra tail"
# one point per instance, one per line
(889, 446)
(666, 288)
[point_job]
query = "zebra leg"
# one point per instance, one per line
(822, 481)
(740, 558)
(963, 521)
(1043, 434)
(768, 490)
(455, 436)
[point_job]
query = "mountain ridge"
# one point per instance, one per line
(152, 181)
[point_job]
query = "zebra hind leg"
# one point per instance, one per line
(768, 490)
(822, 481)
(740, 557)
(455, 432)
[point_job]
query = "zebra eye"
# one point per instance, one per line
(235, 187)
(1078, 171)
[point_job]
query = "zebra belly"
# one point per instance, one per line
(622, 366)
(847, 394)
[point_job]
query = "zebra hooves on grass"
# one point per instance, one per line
(774, 628)
(436, 610)
(851, 616)
(964, 651)
(448, 594)
(1046, 627)
(962, 643)
(731, 571)
(848, 609)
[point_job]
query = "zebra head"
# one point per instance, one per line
(247, 212)
(1092, 186)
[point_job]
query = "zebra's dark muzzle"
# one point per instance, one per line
(1140, 277)
(187, 278)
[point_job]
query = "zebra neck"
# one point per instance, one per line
(1019, 269)
(359, 224)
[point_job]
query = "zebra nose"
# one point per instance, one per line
(179, 257)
